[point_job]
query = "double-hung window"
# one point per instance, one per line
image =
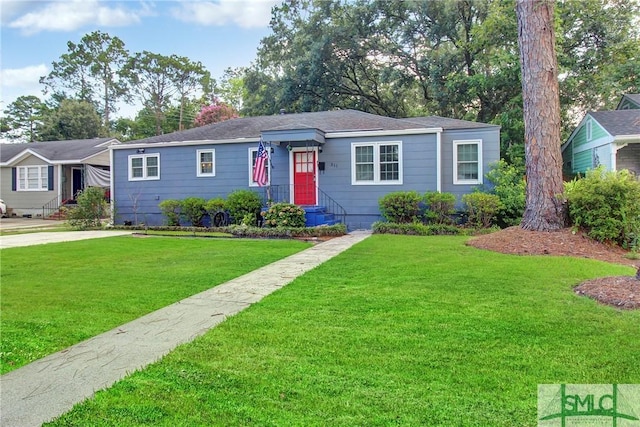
(206, 163)
(376, 163)
(33, 178)
(253, 155)
(467, 162)
(144, 167)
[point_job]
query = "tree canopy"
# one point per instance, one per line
(456, 59)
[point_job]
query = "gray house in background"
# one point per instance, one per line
(37, 178)
(336, 161)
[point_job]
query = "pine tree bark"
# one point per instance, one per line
(545, 208)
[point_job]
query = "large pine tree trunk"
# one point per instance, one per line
(545, 208)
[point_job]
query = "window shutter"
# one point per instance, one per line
(50, 177)
(14, 180)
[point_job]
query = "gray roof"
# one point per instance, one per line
(325, 121)
(619, 122)
(447, 123)
(635, 97)
(57, 151)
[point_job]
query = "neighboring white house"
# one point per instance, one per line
(37, 177)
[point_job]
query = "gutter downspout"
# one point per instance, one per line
(438, 162)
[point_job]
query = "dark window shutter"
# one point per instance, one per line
(14, 179)
(50, 178)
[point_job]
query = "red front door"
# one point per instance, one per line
(304, 177)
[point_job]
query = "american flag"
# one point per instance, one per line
(260, 167)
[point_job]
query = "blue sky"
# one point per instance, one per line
(34, 33)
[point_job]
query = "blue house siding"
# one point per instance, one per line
(361, 201)
(331, 135)
(178, 178)
(490, 154)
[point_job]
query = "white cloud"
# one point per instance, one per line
(243, 13)
(73, 14)
(20, 82)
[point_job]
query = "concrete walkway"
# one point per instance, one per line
(49, 387)
(29, 239)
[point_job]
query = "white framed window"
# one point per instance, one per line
(206, 163)
(377, 163)
(253, 153)
(589, 131)
(33, 178)
(467, 162)
(144, 167)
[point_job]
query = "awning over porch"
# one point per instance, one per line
(298, 137)
(96, 177)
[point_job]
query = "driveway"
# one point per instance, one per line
(41, 238)
(44, 236)
(19, 223)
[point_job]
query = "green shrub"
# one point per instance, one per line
(607, 206)
(481, 208)
(416, 229)
(440, 207)
(170, 208)
(284, 215)
(193, 210)
(401, 206)
(90, 209)
(215, 205)
(510, 186)
(240, 203)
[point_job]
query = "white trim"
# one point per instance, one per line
(376, 163)
(186, 143)
(347, 134)
(60, 184)
(144, 176)
(42, 178)
(589, 130)
(111, 187)
(199, 172)
(439, 162)
(455, 145)
(626, 139)
(593, 144)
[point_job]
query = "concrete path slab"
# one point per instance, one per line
(49, 387)
(29, 239)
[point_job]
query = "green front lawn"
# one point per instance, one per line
(397, 330)
(56, 295)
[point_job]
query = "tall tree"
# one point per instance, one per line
(91, 71)
(23, 117)
(190, 77)
(545, 209)
(457, 59)
(152, 78)
(159, 80)
(73, 119)
(231, 89)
